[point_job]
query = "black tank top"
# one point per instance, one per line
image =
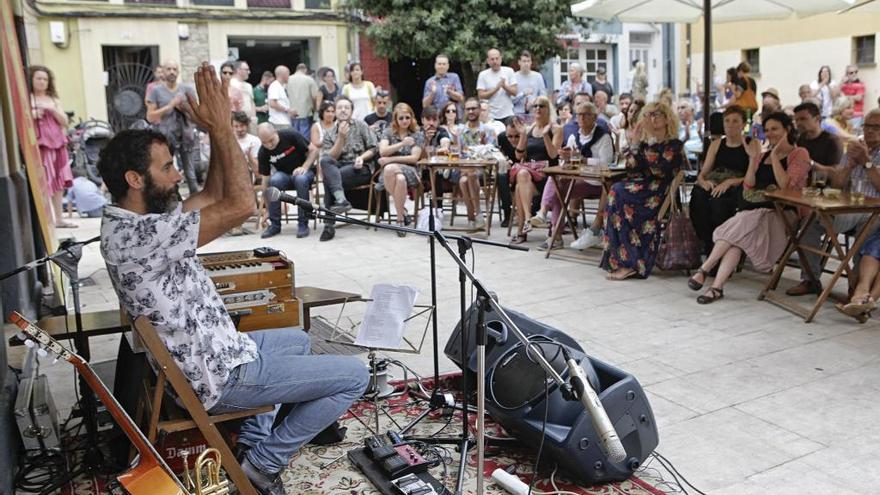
(536, 150)
(733, 159)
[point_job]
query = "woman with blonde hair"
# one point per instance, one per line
(399, 152)
(840, 122)
(537, 148)
(653, 158)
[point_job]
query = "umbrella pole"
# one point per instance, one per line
(707, 63)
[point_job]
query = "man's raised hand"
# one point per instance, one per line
(212, 110)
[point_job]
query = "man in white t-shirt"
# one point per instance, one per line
(249, 145)
(498, 85)
(239, 82)
(280, 112)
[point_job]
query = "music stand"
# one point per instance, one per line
(345, 337)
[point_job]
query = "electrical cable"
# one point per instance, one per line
(543, 432)
(661, 458)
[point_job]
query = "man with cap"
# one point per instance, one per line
(769, 103)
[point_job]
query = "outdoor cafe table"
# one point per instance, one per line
(604, 175)
(437, 163)
(824, 210)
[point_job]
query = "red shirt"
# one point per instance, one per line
(852, 89)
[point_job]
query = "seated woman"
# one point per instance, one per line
(756, 229)
(864, 297)
(399, 152)
(594, 144)
(538, 147)
(840, 122)
(714, 199)
(626, 133)
(632, 230)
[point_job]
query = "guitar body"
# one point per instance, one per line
(149, 478)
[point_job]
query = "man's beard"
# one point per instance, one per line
(159, 201)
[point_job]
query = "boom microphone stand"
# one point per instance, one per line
(484, 300)
(67, 258)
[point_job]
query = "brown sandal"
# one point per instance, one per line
(617, 278)
(711, 295)
(519, 238)
(692, 282)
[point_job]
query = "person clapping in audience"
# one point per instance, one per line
(399, 151)
(757, 230)
(632, 232)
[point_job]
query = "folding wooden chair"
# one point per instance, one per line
(208, 424)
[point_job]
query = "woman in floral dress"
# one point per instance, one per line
(632, 230)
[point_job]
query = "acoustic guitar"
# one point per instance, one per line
(148, 474)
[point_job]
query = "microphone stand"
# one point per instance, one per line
(484, 301)
(67, 258)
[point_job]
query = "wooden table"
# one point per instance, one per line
(313, 297)
(824, 210)
(604, 175)
(466, 164)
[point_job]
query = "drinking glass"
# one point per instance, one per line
(857, 192)
(820, 178)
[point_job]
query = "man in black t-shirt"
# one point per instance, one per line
(381, 118)
(505, 143)
(285, 162)
(825, 149)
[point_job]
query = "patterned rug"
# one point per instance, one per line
(311, 472)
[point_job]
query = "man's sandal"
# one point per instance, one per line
(711, 295)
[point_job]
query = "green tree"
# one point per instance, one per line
(465, 29)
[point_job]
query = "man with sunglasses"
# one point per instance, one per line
(594, 144)
(855, 90)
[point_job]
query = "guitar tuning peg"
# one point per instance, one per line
(29, 343)
(55, 361)
(42, 352)
(21, 336)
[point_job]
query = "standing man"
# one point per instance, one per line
(285, 163)
(381, 118)
(498, 85)
(261, 98)
(855, 90)
(239, 82)
(165, 109)
(280, 112)
(529, 85)
(303, 93)
(349, 147)
(600, 83)
(574, 85)
(443, 86)
(149, 241)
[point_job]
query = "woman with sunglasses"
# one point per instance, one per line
(399, 151)
(632, 229)
(538, 147)
(236, 98)
(451, 122)
(757, 230)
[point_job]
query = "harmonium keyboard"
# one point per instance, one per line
(256, 286)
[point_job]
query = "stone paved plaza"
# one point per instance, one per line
(748, 398)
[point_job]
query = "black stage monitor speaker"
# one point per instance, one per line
(515, 398)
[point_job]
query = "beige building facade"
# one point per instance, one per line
(98, 49)
(790, 52)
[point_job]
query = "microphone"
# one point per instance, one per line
(275, 194)
(608, 440)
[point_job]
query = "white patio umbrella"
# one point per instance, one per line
(689, 11)
(864, 7)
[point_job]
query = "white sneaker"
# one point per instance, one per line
(539, 221)
(587, 240)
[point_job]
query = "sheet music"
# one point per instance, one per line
(383, 323)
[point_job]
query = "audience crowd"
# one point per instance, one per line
(296, 128)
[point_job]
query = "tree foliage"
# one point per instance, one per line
(464, 29)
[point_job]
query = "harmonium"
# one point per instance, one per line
(257, 287)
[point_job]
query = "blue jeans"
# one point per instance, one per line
(322, 387)
(303, 125)
(284, 182)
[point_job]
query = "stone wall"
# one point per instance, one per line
(194, 50)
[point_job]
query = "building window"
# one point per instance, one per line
(863, 49)
(566, 58)
(317, 4)
(752, 56)
(220, 3)
(269, 4)
(154, 2)
(595, 58)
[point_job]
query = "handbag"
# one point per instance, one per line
(679, 245)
